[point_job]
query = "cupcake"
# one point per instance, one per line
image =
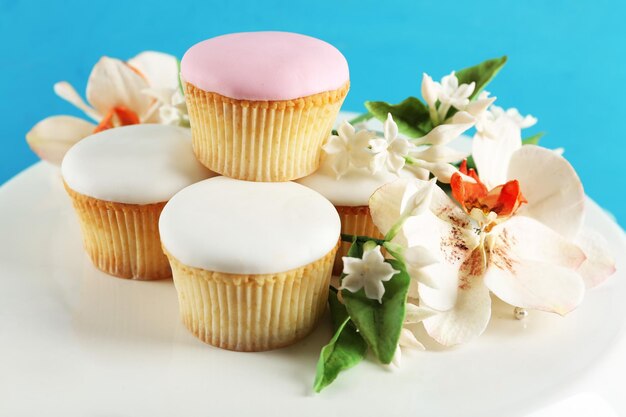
(350, 173)
(350, 195)
(261, 104)
(251, 261)
(119, 180)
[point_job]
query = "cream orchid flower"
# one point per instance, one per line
(115, 97)
(524, 253)
(368, 273)
(350, 147)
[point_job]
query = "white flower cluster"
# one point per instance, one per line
(364, 149)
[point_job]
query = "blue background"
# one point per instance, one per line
(567, 59)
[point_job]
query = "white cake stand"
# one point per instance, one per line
(76, 342)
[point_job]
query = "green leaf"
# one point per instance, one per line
(411, 115)
(534, 139)
(356, 249)
(380, 323)
(481, 74)
(345, 349)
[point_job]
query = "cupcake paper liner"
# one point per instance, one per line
(122, 239)
(261, 140)
(252, 312)
(354, 221)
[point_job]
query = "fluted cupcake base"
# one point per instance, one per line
(354, 221)
(261, 140)
(122, 239)
(252, 312)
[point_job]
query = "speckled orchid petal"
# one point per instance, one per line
(448, 237)
(492, 155)
(599, 264)
(552, 188)
(470, 315)
(112, 83)
(52, 137)
(158, 68)
(532, 266)
(65, 90)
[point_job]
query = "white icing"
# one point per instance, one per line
(353, 189)
(243, 227)
(139, 164)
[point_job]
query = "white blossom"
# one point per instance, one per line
(368, 273)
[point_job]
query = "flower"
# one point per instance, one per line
(116, 96)
(430, 90)
(513, 114)
(527, 254)
(369, 273)
(454, 94)
(434, 155)
(414, 315)
(392, 149)
(173, 109)
(448, 93)
(350, 147)
(490, 123)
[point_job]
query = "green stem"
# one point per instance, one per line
(361, 118)
(349, 238)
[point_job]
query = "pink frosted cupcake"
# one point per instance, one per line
(261, 104)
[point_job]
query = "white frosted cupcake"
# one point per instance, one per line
(251, 261)
(351, 172)
(119, 180)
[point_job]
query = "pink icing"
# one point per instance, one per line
(264, 66)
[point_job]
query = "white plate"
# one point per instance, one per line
(76, 342)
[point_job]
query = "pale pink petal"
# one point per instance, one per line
(492, 154)
(470, 315)
(532, 266)
(52, 137)
(599, 264)
(113, 83)
(65, 90)
(554, 192)
(159, 69)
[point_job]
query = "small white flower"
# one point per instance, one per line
(171, 106)
(479, 106)
(522, 121)
(430, 90)
(392, 149)
(454, 94)
(368, 273)
(350, 147)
